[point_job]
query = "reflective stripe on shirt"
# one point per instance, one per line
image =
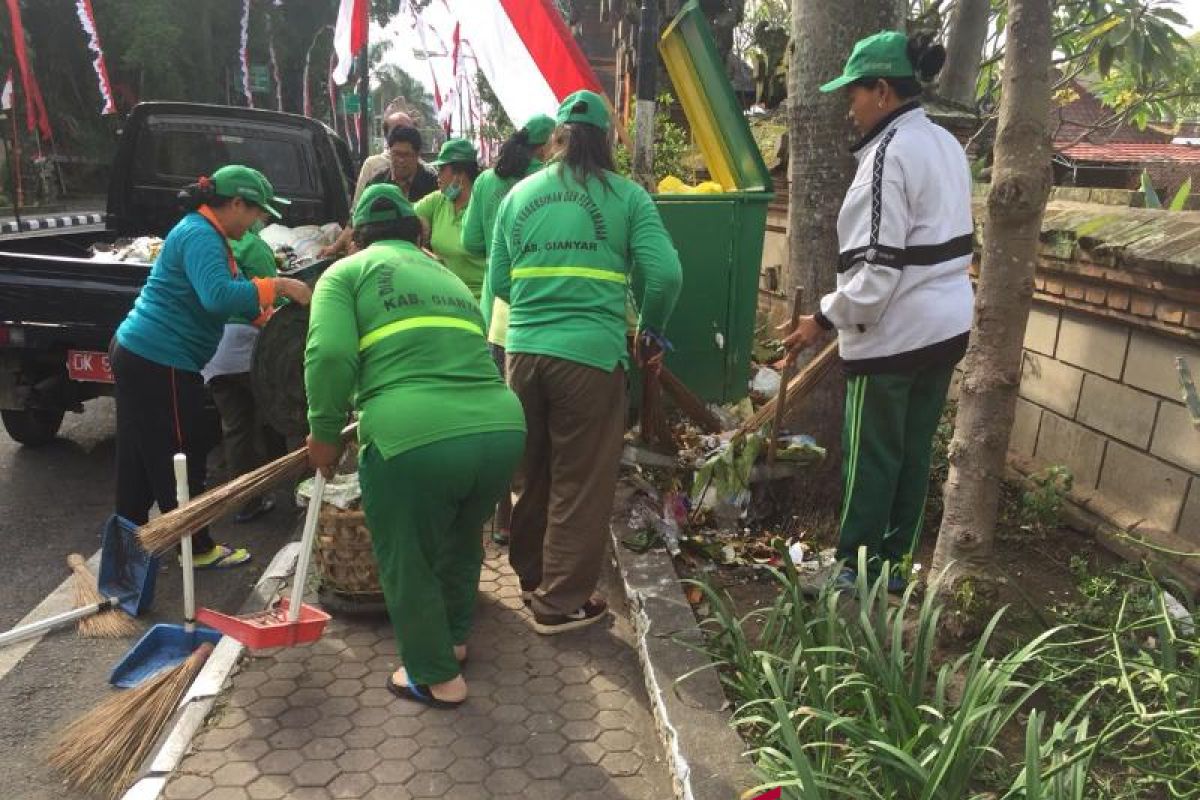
(570, 272)
(403, 325)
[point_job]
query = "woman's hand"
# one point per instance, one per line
(323, 456)
(648, 352)
(294, 290)
(807, 333)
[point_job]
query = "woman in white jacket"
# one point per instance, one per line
(903, 304)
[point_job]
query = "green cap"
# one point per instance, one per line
(234, 180)
(538, 129)
(397, 204)
(584, 106)
(456, 151)
(884, 55)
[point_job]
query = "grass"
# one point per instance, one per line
(848, 696)
(851, 695)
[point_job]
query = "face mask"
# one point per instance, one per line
(452, 192)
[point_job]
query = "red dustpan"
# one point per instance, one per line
(287, 623)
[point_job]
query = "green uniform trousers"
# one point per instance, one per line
(886, 441)
(426, 508)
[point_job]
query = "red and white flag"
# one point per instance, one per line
(6, 93)
(526, 52)
(83, 9)
(349, 36)
(35, 108)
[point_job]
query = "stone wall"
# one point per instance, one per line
(1117, 298)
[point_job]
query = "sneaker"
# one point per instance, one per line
(590, 612)
(846, 580)
(254, 510)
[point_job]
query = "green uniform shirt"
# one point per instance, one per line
(566, 256)
(478, 224)
(400, 332)
(255, 259)
(445, 239)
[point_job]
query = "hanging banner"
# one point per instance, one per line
(83, 9)
(349, 37)
(245, 54)
(526, 52)
(35, 108)
(419, 25)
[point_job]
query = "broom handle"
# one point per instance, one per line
(306, 546)
(788, 371)
(182, 497)
(49, 623)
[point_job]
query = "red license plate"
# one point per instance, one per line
(84, 365)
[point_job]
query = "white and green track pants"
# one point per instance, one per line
(886, 440)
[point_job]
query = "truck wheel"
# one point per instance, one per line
(33, 427)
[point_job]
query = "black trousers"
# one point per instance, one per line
(160, 412)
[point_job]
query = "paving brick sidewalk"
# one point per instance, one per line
(548, 717)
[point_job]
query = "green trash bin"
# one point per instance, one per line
(720, 240)
(719, 236)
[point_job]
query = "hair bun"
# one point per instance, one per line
(926, 55)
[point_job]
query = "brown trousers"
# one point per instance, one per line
(575, 417)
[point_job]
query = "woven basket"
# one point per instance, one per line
(344, 559)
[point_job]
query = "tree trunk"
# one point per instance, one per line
(820, 168)
(1017, 200)
(964, 49)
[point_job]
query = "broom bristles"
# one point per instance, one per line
(111, 623)
(164, 532)
(102, 751)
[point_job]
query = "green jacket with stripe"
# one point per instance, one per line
(565, 256)
(400, 337)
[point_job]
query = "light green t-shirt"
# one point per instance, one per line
(445, 239)
(398, 335)
(566, 256)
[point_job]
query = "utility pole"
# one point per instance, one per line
(364, 99)
(647, 75)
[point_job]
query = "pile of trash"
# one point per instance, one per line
(293, 247)
(142, 250)
(670, 518)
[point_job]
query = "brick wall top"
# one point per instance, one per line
(1165, 243)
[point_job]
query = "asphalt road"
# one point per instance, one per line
(53, 501)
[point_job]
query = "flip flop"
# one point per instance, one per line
(222, 557)
(419, 693)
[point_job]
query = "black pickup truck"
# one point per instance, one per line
(59, 308)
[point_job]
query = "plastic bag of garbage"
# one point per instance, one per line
(799, 449)
(343, 491)
(722, 484)
(766, 382)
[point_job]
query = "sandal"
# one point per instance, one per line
(419, 693)
(221, 557)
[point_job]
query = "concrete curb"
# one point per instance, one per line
(704, 752)
(202, 695)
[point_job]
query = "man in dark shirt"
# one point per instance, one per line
(406, 172)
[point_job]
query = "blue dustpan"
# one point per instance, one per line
(166, 645)
(126, 570)
(160, 647)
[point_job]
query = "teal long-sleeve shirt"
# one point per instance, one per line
(180, 314)
(566, 256)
